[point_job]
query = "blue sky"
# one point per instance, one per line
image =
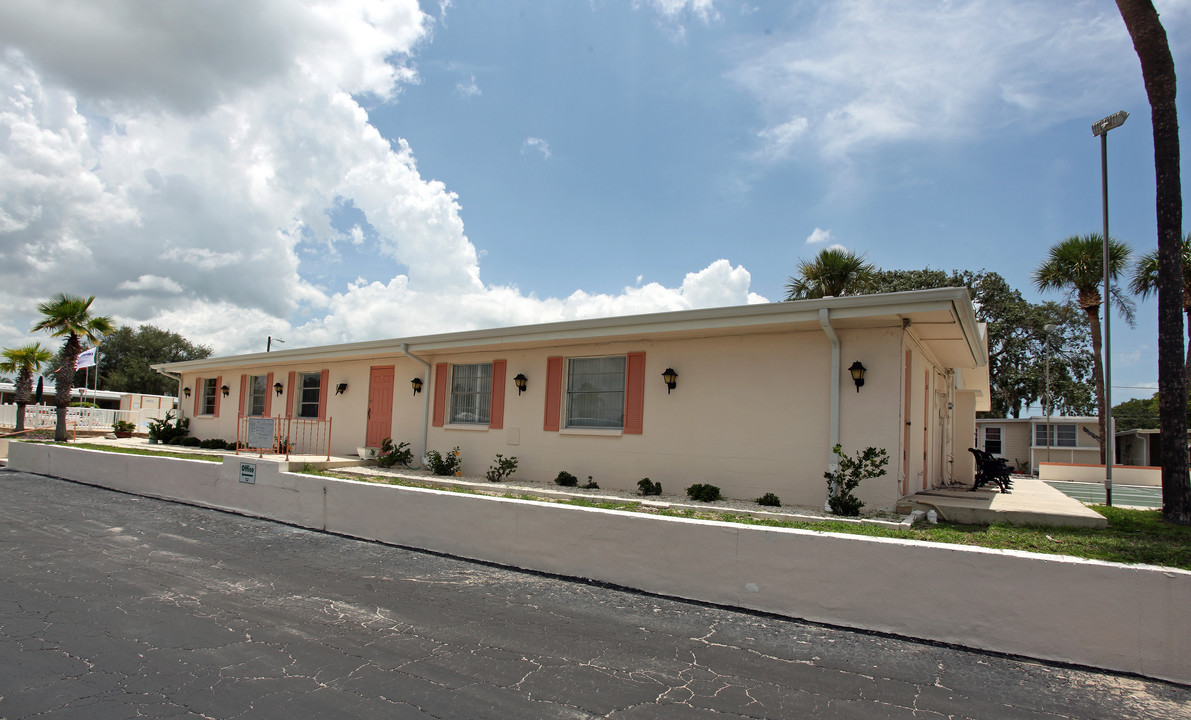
(350, 169)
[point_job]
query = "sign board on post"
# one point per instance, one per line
(260, 433)
(248, 473)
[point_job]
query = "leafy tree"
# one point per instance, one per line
(1017, 339)
(126, 355)
(1136, 414)
(1145, 281)
(69, 316)
(834, 271)
(1076, 265)
(1157, 69)
(26, 361)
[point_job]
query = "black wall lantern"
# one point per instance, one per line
(857, 371)
(186, 391)
(277, 387)
(340, 388)
(520, 381)
(671, 379)
(417, 383)
(224, 389)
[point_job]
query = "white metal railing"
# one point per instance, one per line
(38, 416)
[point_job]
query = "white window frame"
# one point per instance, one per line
(579, 401)
(255, 393)
(469, 396)
(303, 406)
(1067, 438)
(207, 391)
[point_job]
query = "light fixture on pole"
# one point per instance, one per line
(269, 344)
(1100, 129)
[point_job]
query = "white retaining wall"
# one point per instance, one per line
(1125, 618)
(1121, 474)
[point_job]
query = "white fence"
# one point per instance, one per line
(37, 416)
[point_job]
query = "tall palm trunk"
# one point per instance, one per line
(1098, 374)
(1157, 69)
(64, 384)
(24, 392)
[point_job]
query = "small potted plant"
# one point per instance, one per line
(123, 428)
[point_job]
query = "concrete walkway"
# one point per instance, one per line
(1030, 502)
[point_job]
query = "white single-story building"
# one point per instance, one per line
(761, 394)
(1025, 442)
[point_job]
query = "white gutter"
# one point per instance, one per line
(833, 383)
(173, 376)
(425, 401)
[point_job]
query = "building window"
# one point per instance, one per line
(595, 392)
(471, 394)
(207, 396)
(992, 440)
(308, 394)
(1060, 435)
(258, 392)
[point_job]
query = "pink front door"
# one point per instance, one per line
(380, 406)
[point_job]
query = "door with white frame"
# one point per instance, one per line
(992, 439)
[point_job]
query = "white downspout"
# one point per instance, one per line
(425, 401)
(833, 384)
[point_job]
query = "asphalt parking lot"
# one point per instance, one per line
(117, 606)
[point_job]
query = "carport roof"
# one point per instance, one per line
(942, 318)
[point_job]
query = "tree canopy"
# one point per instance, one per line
(125, 357)
(1017, 339)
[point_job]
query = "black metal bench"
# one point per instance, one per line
(991, 469)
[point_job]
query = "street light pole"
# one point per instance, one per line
(1049, 328)
(1100, 129)
(269, 344)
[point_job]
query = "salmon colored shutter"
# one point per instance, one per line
(322, 394)
(293, 393)
(218, 393)
(244, 408)
(269, 394)
(496, 411)
(634, 394)
(198, 395)
(553, 394)
(440, 394)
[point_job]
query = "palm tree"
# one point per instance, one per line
(25, 361)
(833, 272)
(1145, 281)
(70, 316)
(1076, 265)
(1157, 70)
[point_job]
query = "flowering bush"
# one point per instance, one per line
(448, 464)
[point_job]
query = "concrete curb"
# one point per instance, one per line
(1107, 615)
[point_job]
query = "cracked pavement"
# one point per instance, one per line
(117, 606)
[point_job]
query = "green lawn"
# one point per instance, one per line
(1132, 536)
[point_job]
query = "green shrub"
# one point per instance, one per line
(390, 454)
(169, 430)
(868, 463)
(216, 444)
(645, 486)
(591, 484)
(188, 442)
(447, 464)
(703, 492)
(123, 426)
(566, 479)
(502, 467)
(769, 500)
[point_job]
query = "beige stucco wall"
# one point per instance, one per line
(1090, 473)
(750, 413)
(1124, 618)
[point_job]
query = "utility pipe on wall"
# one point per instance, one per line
(425, 399)
(832, 383)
